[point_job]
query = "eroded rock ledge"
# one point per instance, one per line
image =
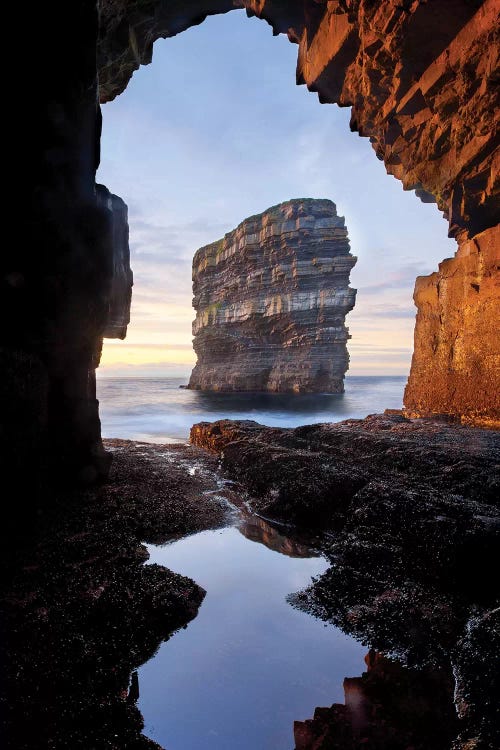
(271, 299)
(317, 474)
(419, 76)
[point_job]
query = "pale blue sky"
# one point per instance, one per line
(216, 130)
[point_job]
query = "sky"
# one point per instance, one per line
(215, 130)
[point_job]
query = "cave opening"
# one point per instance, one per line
(193, 157)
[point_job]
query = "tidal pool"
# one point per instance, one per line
(249, 665)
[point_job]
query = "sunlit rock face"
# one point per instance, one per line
(419, 77)
(456, 360)
(271, 299)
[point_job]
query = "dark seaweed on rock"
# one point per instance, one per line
(82, 611)
(413, 521)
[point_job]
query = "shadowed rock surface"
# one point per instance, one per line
(411, 576)
(271, 299)
(412, 512)
(81, 611)
(421, 79)
(312, 474)
(122, 278)
(388, 708)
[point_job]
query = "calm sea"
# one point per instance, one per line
(157, 410)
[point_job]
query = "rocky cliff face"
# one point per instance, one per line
(271, 299)
(120, 293)
(419, 76)
(456, 359)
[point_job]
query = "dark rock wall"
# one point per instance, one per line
(54, 270)
(271, 299)
(120, 295)
(57, 268)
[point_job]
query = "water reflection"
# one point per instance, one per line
(263, 532)
(250, 668)
(388, 707)
(249, 664)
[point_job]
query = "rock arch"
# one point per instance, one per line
(420, 78)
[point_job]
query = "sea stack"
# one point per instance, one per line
(271, 299)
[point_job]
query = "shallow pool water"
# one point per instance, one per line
(249, 664)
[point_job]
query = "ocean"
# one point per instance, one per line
(158, 410)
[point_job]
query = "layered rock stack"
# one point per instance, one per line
(271, 299)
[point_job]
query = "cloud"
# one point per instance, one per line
(377, 348)
(391, 312)
(171, 242)
(144, 370)
(398, 278)
(394, 314)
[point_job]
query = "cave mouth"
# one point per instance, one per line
(210, 130)
(419, 86)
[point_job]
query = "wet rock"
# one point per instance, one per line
(335, 461)
(80, 610)
(475, 665)
(413, 535)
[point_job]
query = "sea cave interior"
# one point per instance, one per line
(303, 582)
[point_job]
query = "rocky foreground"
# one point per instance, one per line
(81, 610)
(406, 510)
(411, 511)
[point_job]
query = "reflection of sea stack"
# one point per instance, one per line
(271, 299)
(263, 532)
(388, 706)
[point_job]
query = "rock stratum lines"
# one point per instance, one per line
(271, 299)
